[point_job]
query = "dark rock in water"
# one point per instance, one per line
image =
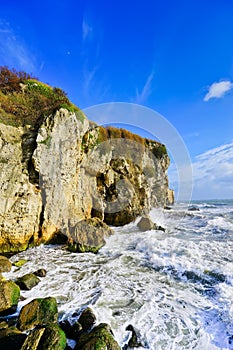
(100, 337)
(27, 281)
(9, 297)
(145, 224)
(193, 208)
(87, 319)
(40, 273)
(38, 312)
(88, 235)
(71, 331)
(11, 338)
(167, 208)
(134, 341)
(5, 264)
(51, 337)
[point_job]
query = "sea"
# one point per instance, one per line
(174, 287)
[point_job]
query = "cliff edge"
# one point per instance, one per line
(65, 169)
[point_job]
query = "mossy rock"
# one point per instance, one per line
(20, 263)
(88, 235)
(5, 264)
(38, 312)
(100, 338)
(11, 338)
(27, 281)
(51, 337)
(9, 297)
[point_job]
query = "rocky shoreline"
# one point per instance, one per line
(37, 325)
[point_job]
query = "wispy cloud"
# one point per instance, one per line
(218, 90)
(212, 173)
(86, 29)
(13, 51)
(142, 96)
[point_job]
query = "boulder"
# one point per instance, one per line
(20, 263)
(11, 338)
(134, 341)
(146, 224)
(40, 273)
(5, 264)
(51, 337)
(72, 331)
(100, 337)
(88, 235)
(87, 319)
(27, 281)
(9, 297)
(38, 312)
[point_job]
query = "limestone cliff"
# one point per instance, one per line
(70, 170)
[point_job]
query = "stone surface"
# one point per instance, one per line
(88, 235)
(5, 264)
(51, 337)
(87, 319)
(100, 338)
(146, 224)
(27, 281)
(20, 263)
(9, 297)
(38, 312)
(40, 273)
(170, 197)
(11, 338)
(67, 172)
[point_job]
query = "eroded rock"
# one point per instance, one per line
(38, 312)
(27, 281)
(5, 264)
(9, 297)
(88, 235)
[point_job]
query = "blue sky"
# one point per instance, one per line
(175, 57)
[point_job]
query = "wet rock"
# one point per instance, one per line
(9, 297)
(51, 337)
(100, 337)
(38, 312)
(145, 224)
(134, 341)
(27, 281)
(71, 331)
(20, 263)
(5, 264)
(193, 208)
(88, 235)
(11, 338)
(40, 273)
(87, 319)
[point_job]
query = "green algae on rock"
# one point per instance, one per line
(41, 311)
(9, 297)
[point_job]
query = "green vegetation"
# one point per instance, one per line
(25, 100)
(107, 133)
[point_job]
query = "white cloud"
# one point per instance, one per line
(146, 91)
(218, 90)
(86, 30)
(212, 174)
(13, 51)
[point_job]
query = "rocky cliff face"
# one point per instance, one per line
(70, 170)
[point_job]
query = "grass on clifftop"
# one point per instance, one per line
(26, 101)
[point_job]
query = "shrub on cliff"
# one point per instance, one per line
(25, 100)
